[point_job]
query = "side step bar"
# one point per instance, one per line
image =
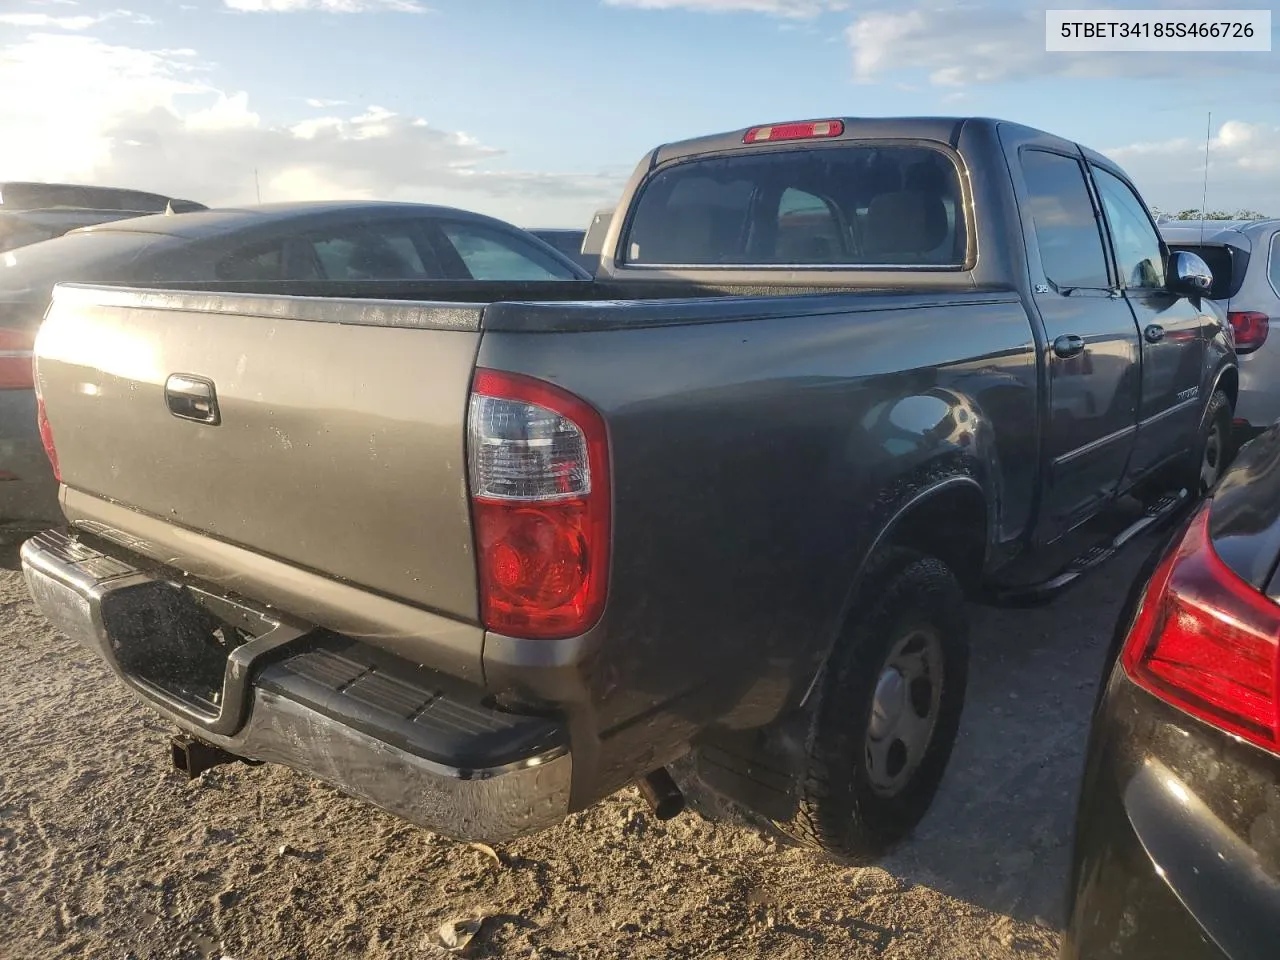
(1157, 512)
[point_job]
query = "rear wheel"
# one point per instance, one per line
(1213, 451)
(888, 713)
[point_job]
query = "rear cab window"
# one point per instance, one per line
(849, 205)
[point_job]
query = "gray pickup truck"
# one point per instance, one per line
(484, 553)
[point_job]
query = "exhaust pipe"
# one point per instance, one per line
(661, 794)
(193, 757)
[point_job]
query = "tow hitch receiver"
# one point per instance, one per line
(193, 757)
(661, 794)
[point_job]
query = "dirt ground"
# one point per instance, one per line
(106, 853)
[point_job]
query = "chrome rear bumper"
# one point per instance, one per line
(417, 744)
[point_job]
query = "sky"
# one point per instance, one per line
(537, 111)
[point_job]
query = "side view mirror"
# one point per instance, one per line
(1188, 275)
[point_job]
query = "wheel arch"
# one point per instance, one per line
(1227, 380)
(946, 514)
(948, 520)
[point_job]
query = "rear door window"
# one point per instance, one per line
(258, 262)
(391, 251)
(1067, 234)
(374, 252)
(849, 205)
(490, 254)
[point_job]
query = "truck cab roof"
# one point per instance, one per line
(940, 129)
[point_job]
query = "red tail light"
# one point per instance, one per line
(1206, 642)
(810, 130)
(1249, 329)
(538, 461)
(46, 437)
(15, 359)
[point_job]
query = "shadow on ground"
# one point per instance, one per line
(9, 553)
(999, 833)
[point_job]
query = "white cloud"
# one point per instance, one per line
(1244, 168)
(48, 21)
(321, 104)
(981, 43)
(151, 119)
(326, 6)
(225, 113)
(799, 9)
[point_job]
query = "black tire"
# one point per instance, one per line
(1213, 449)
(842, 810)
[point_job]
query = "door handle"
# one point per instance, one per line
(1068, 345)
(192, 398)
(1154, 333)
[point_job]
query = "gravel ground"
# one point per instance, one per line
(106, 853)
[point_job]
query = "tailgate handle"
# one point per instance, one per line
(192, 398)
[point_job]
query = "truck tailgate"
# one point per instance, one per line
(339, 446)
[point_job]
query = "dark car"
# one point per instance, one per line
(1178, 830)
(34, 195)
(31, 212)
(298, 241)
(18, 228)
(569, 242)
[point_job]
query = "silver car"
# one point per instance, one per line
(1244, 256)
(1245, 259)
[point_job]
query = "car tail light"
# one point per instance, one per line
(15, 359)
(810, 130)
(538, 461)
(1249, 329)
(46, 437)
(1205, 641)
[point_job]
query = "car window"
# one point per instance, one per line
(492, 255)
(1274, 263)
(1137, 244)
(259, 262)
(809, 229)
(851, 205)
(359, 252)
(382, 252)
(1067, 235)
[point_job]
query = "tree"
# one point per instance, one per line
(1209, 215)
